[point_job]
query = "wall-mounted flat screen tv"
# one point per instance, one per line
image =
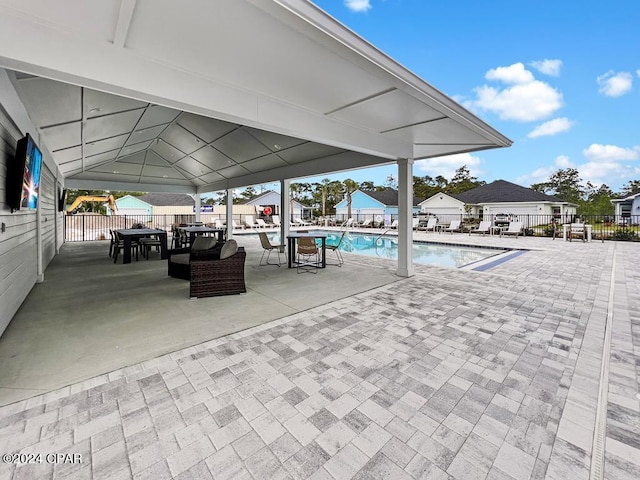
(23, 176)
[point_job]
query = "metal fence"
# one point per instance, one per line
(85, 227)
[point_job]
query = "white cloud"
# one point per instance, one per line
(523, 102)
(548, 67)
(524, 99)
(615, 84)
(607, 172)
(513, 74)
(552, 127)
(542, 174)
(358, 5)
(447, 166)
(610, 153)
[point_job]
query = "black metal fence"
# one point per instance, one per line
(86, 227)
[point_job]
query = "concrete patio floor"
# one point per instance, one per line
(448, 374)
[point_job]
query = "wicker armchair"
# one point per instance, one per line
(210, 278)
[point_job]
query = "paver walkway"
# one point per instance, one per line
(448, 374)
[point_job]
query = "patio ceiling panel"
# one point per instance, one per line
(217, 94)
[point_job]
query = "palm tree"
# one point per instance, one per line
(350, 186)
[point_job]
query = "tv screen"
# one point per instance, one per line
(23, 179)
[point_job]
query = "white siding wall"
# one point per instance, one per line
(18, 248)
(48, 206)
(442, 205)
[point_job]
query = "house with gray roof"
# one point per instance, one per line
(498, 197)
(365, 203)
(627, 207)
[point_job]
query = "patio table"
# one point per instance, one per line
(129, 233)
(193, 231)
(292, 239)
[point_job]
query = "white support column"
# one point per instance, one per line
(405, 215)
(285, 210)
(229, 207)
(198, 200)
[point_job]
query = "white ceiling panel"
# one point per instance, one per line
(97, 103)
(152, 158)
(105, 145)
(439, 132)
(240, 146)
(211, 177)
(274, 141)
(264, 163)
(121, 168)
(166, 151)
(100, 158)
(192, 166)
(96, 20)
(63, 136)
(137, 158)
(70, 166)
(384, 112)
(212, 158)
(67, 155)
(182, 139)
(163, 172)
(157, 115)
(50, 102)
(208, 129)
(146, 134)
(233, 171)
(306, 152)
(110, 125)
(135, 148)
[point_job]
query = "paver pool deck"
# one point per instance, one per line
(447, 374)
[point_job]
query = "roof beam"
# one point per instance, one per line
(124, 22)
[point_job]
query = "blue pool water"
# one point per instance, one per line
(424, 253)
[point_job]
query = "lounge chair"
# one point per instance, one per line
(299, 221)
(261, 223)
(218, 223)
(454, 226)
(365, 223)
(347, 223)
(483, 228)
(515, 228)
(578, 230)
(394, 224)
(236, 226)
(269, 247)
(250, 221)
(335, 248)
(414, 223)
(431, 225)
(276, 220)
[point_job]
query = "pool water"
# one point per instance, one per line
(387, 247)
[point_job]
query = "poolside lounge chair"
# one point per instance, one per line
(218, 223)
(515, 228)
(236, 226)
(261, 223)
(365, 223)
(454, 226)
(299, 221)
(250, 221)
(347, 223)
(335, 249)
(414, 223)
(483, 228)
(578, 230)
(269, 247)
(394, 224)
(276, 220)
(431, 225)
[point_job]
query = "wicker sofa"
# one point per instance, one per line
(208, 274)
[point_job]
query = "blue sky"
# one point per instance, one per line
(559, 78)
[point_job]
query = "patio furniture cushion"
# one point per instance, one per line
(203, 243)
(228, 249)
(181, 258)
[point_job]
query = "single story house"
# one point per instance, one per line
(271, 199)
(628, 207)
(367, 204)
(497, 197)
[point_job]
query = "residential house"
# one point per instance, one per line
(627, 208)
(271, 199)
(499, 197)
(373, 204)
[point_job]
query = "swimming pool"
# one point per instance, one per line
(424, 253)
